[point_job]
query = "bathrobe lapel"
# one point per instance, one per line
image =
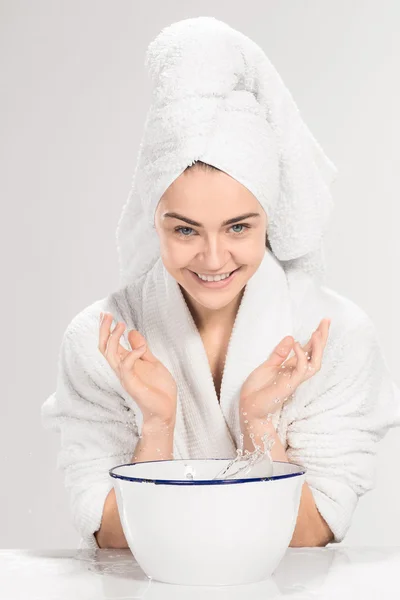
(262, 320)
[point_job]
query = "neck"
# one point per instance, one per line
(213, 320)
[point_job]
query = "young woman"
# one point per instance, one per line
(222, 324)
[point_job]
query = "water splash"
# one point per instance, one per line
(250, 458)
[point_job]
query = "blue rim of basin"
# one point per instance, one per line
(203, 481)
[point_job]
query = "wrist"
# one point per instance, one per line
(251, 416)
(250, 410)
(158, 425)
(256, 425)
(254, 432)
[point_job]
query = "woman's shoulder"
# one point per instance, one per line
(122, 304)
(312, 301)
(353, 352)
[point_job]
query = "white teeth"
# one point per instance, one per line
(210, 278)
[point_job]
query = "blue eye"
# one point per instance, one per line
(239, 225)
(180, 230)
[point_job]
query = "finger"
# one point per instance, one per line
(113, 345)
(326, 332)
(280, 352)
(127, 365)
(308, 348)
(323, 327)
(136, 339)
(300, 369)
(104, 332)
(130, 359)
(311, 368)
(315, 362)
(122, 352)
(292, 361)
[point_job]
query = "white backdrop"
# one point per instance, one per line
(74, 95)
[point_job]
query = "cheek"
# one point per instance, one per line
(176, 255)
(253, 248)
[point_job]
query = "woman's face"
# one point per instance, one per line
(200, 242)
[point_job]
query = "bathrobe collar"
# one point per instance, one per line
(263, 319)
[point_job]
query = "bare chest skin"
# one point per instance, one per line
(216, 346)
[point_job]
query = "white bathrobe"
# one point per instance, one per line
(331, 425)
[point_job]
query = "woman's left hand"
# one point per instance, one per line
(273, 382)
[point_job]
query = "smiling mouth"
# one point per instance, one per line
(230, 272)
(218, 284)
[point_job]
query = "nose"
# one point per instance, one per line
(215, 254)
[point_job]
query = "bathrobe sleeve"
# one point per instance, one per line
(98, 431)
(335, 435)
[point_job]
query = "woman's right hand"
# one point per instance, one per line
(141, 374)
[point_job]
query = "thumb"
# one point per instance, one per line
(136, 339)
(281, 351)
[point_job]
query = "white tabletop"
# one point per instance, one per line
(317, 573)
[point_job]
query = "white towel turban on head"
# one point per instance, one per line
(218, 99)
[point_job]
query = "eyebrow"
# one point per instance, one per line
(175, 215)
